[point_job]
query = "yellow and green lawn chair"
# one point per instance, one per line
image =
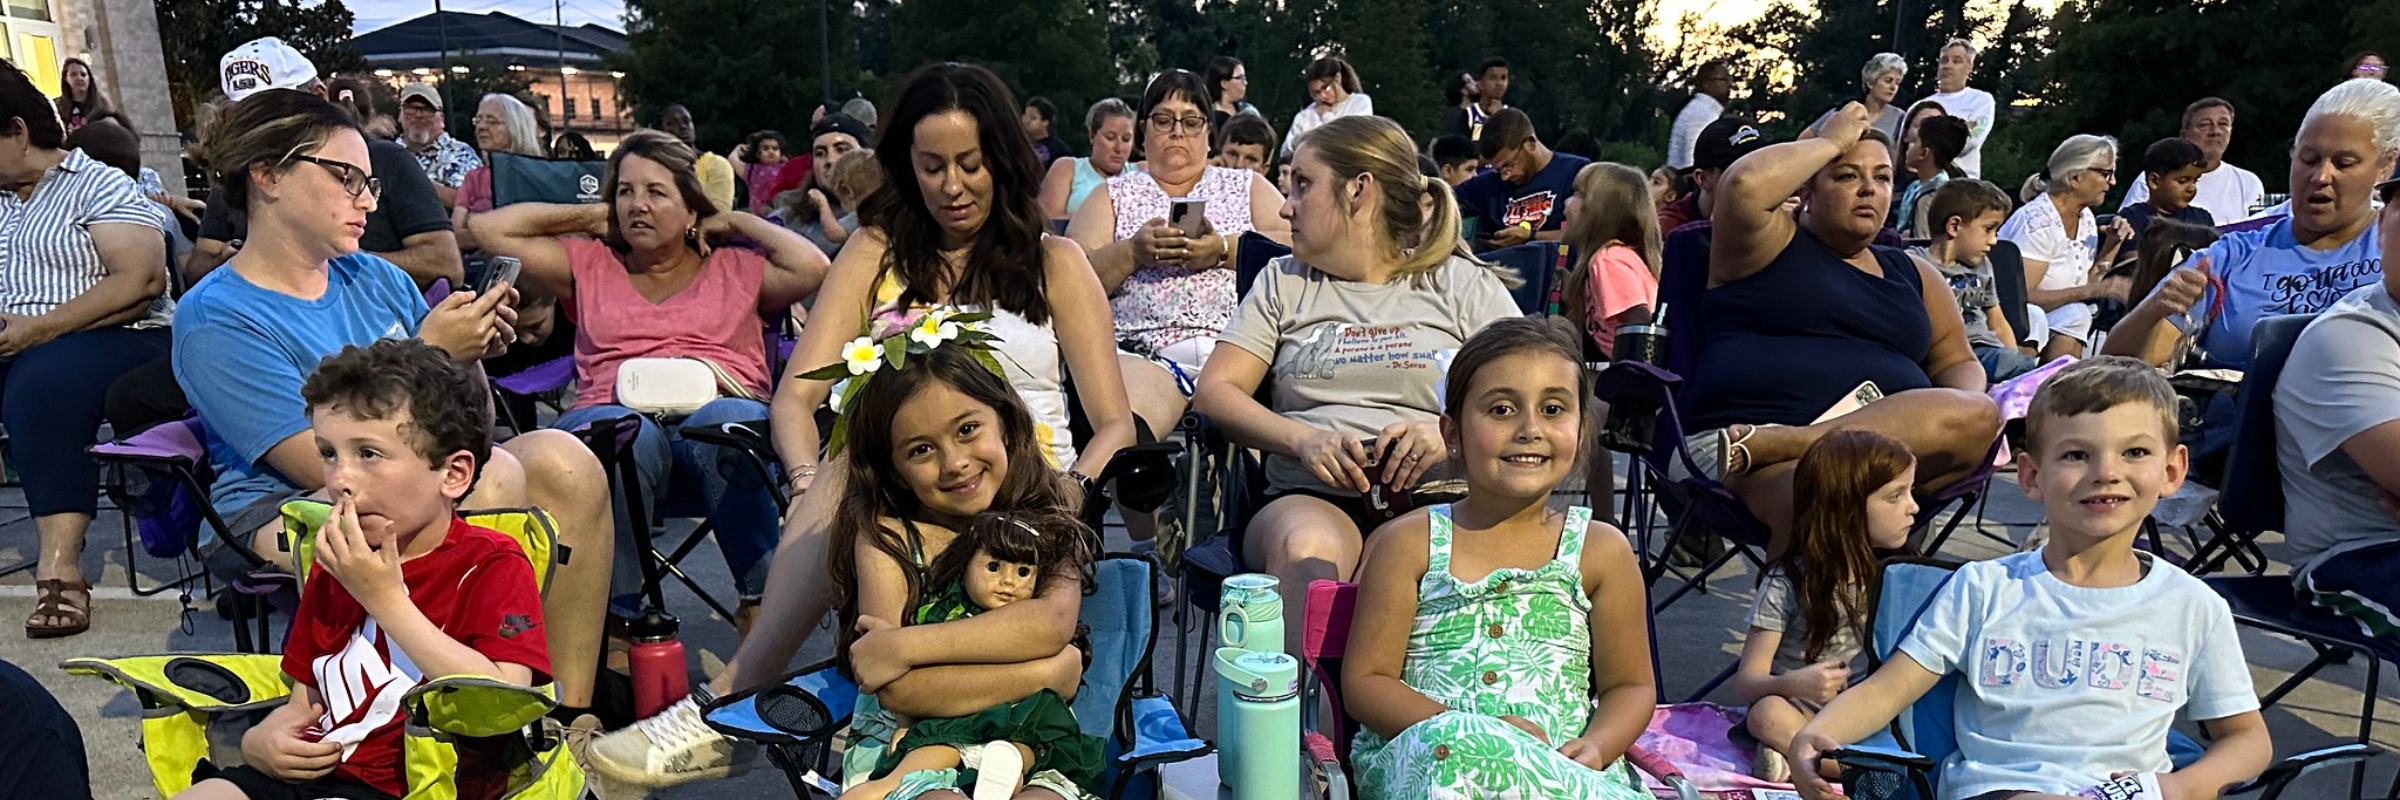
(196, 707)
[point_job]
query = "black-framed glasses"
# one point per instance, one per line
(354, 180)
(1192, 124)
(2105, 173)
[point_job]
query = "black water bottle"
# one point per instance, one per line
(1632, 424)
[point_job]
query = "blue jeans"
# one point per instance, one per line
(719, 480)
(51, 400)
(2003, 363)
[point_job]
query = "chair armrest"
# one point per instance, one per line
(1159, 737)
(476, 705)
(193, 681)
(745, 434)
(1665, 771)
(807, 706)
(2279, 776)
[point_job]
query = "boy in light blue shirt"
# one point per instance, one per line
(2075, 659)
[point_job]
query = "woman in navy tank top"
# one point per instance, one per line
(1801, 308)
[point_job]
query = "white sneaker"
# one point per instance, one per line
(670, 749)
(997, 776)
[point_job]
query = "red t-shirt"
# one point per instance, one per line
(477, 587)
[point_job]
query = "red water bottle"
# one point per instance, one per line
(660, 678)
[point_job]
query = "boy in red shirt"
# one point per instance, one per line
(404, 591)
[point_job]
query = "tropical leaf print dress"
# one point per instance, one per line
(1516, 643)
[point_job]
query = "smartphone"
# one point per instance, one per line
(1858, 398)
(1878, 758)
(502, 268)
(1188, 214)
(2105, 220)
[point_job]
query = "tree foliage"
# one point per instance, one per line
(2128, 68)
(463, 91)
(194, 34)
(682, 51)
(1054, 48)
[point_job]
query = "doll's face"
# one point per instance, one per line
(993, 582)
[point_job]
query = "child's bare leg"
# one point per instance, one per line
(1773, 721)
(922, 759)
(212, 789)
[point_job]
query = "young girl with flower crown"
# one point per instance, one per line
(935, 437)
(1499, 644)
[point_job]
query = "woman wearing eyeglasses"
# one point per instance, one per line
(248, 335)
(2066, 250)
(80, 304)
(1332, 94)
(1172, 287)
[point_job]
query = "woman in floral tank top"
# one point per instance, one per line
(1171, 292)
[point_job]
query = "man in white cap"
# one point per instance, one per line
(410, 227)
(446, 160)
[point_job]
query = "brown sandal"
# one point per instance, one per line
(52, 603)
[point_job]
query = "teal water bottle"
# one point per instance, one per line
(1250, 613)
(1258, 742)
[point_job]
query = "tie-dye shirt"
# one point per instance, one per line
(2060, 685)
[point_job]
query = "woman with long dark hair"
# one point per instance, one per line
(955, 225)
(79, 99)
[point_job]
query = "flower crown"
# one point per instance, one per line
(893, 339)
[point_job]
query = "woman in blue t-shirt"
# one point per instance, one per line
(249, 334)
(2300, 264)
(1800, 309)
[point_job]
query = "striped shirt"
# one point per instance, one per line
(46, 253)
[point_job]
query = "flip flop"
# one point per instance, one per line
(1720, 454)
(52, 602)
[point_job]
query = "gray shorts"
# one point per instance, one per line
(232, 559)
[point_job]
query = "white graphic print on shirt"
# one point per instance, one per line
(2062, 662)
(362, 684)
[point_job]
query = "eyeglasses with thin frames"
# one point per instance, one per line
(354, 180)
(1191, 124)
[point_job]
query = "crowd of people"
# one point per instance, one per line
(996, 317)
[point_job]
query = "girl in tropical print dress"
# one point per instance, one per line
(1476, 665)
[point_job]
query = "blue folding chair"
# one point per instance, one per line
(1897, 764)
(795, 720)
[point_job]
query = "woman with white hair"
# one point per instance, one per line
(1881, 76)
(2325, 247)
(503, 124)
(2066, 251)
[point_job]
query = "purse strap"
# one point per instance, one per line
(726, 382)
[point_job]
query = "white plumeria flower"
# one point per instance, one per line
(862, 355)
(933, 330)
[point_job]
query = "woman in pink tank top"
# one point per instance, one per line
(643, 277)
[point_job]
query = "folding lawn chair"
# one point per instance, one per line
(1898, 764)
(795, 720)
(2251, 498)
(195, 707)
(1695, 505)
(161, 478)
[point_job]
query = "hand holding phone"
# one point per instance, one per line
(1188, 214)
(502, 268)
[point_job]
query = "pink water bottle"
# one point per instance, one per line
(660, 678)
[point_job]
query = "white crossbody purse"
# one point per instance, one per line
(675, 387)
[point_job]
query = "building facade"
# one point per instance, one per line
(567, 65)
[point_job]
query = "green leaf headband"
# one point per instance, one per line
(865, 356)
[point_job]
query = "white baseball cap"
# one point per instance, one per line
(262, 64)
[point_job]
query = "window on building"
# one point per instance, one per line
(570, 110)
(595, 108)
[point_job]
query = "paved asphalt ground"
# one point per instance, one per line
(1699, 636)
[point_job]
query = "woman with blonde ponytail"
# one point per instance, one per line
(1351, 329)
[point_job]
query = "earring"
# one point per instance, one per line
(691, 237)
